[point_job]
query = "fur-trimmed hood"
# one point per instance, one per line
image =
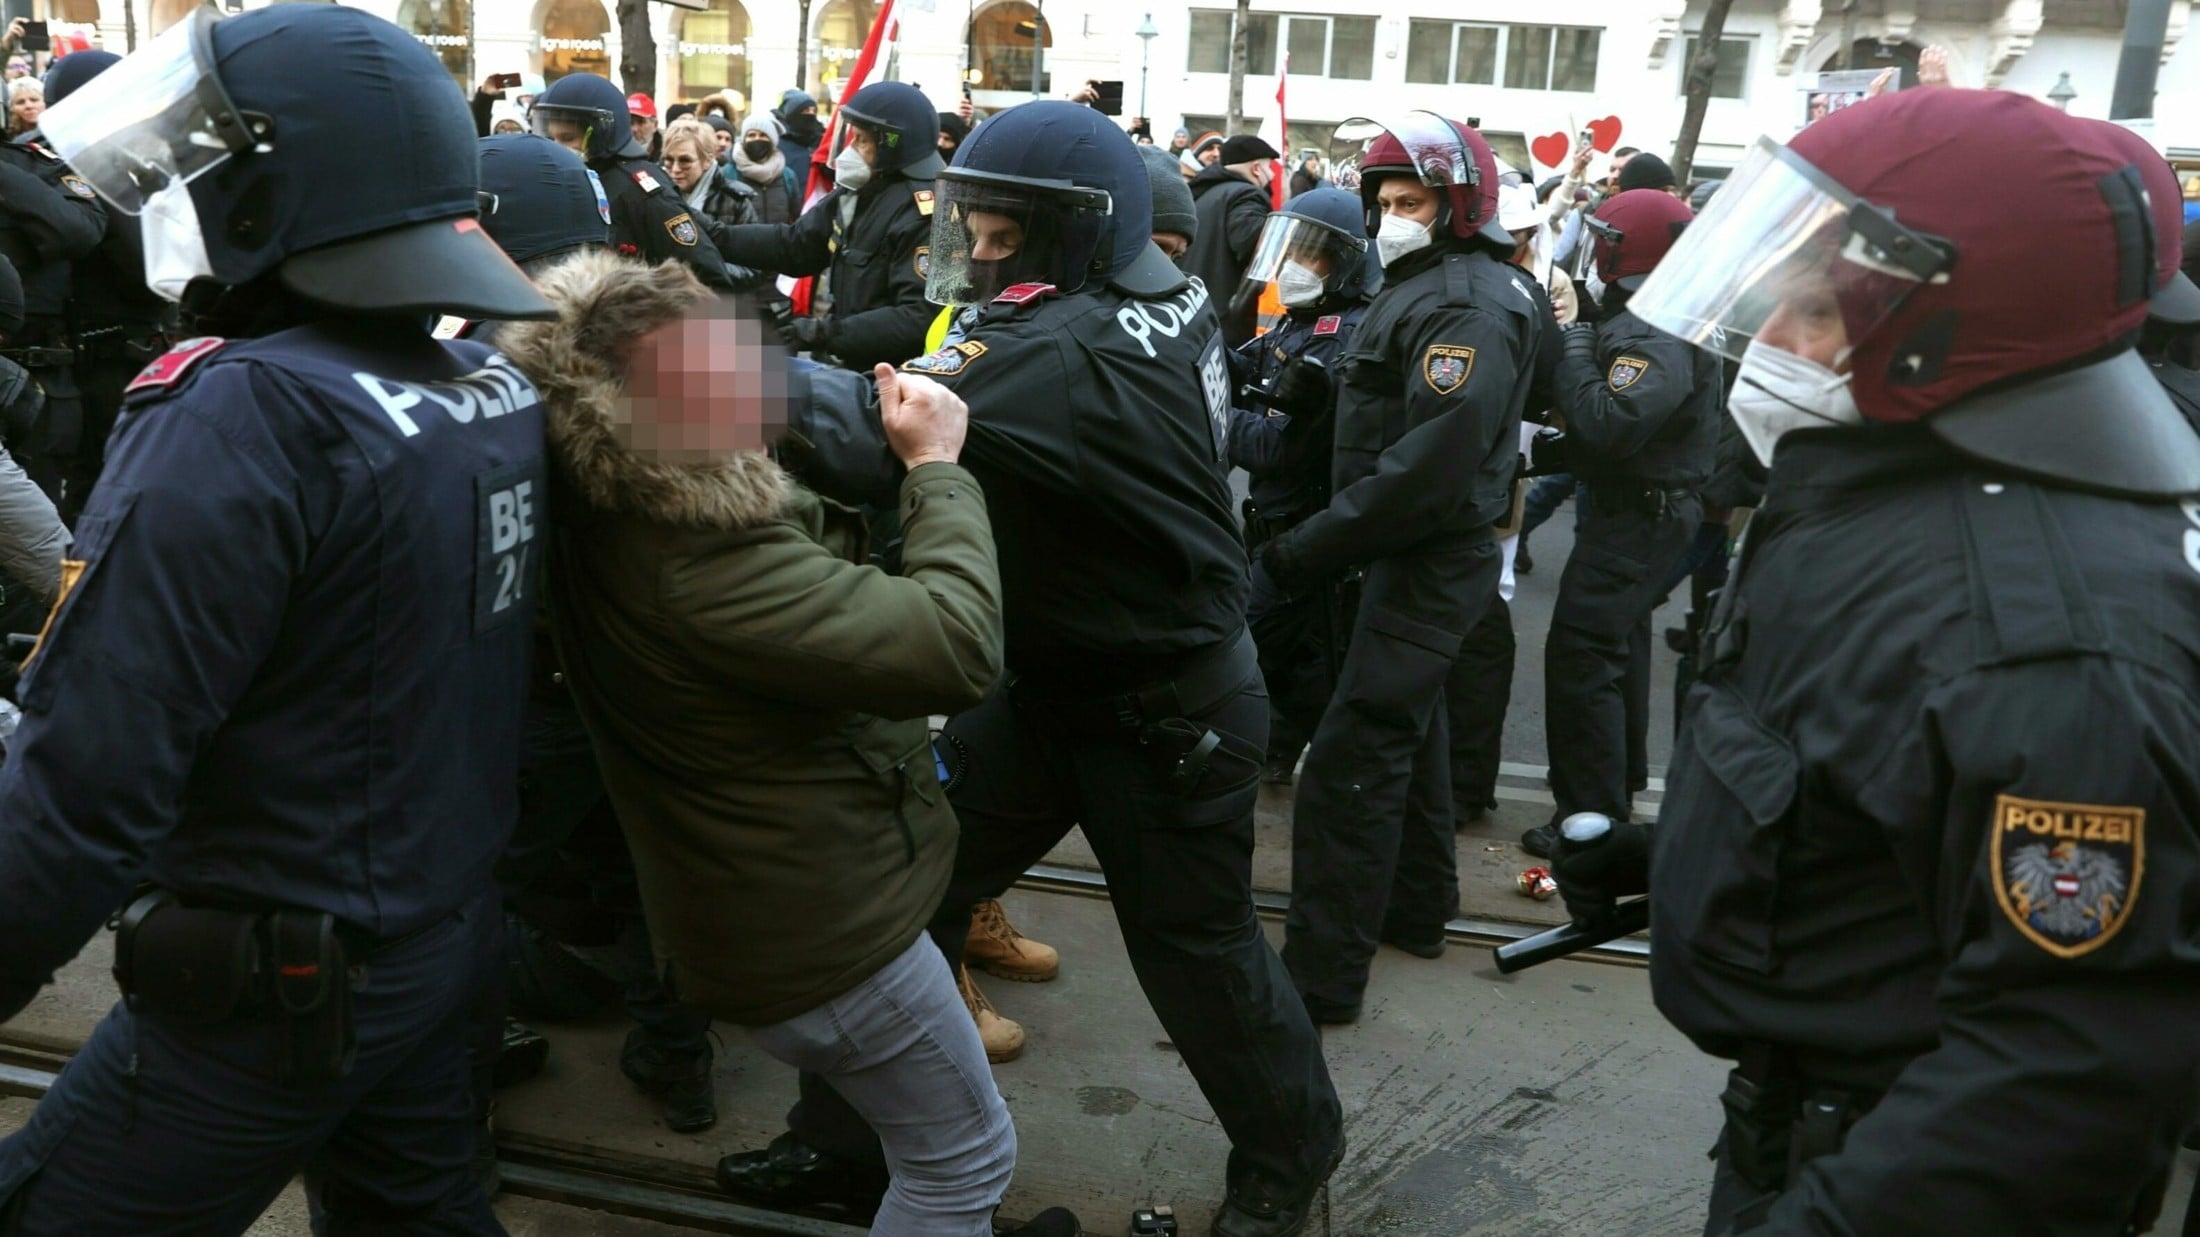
(575, 362)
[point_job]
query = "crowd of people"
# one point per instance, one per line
(484, 564)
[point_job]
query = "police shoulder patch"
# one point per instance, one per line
(683, 229)
(2067, 874)
(924, 202)
(1446, 367)
(1328, 324)
(948, 361)
(1626, 372)
(645, 180)
(169, 368)
(923, 263)
(77, 185)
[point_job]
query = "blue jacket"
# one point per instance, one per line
(289, 661)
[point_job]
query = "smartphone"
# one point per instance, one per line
(1110, 100)
(35, 38)
(966, 90)
(1585, 141)
(505, 81)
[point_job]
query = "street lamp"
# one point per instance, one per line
(2063, 93)
(1147, 32)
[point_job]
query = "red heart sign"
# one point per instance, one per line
(1549, 150)
(1604, 134)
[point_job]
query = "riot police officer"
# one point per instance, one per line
(49, 219)
(871, 236)
(302, 590)
(1642, 414)
(1427, 436)
(587, 115)
(117, 324)
(1315, 253)
(1927, 868)
(1099, 419)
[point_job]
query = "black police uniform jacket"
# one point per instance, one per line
(1930, 826)
(49, 217)
(879, 262)
(1287, 458)
(289, 656)
(650, 220)
(1428, 414)
(1098, 427)
(1641, 407)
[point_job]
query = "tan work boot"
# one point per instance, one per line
(1003, 1039)
(997, 948)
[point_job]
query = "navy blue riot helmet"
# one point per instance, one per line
(587, 113)
(1049, 192)
(315, 143)
(75, 69)
(539, 200)
(901, 118)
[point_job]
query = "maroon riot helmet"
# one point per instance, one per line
(1868, 247)
(1634, 231)
(1440, 153)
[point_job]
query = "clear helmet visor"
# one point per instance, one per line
(1785, 255)
(158, 119)
(990, 235)
(1287, 242)
(1439, 157)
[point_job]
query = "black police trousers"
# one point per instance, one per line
(1294, 637)
(1180, 877)
(1475, 703)
(1372, 852)
(163, 1126)
(1596, 663)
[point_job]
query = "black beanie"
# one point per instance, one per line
(1646, 171)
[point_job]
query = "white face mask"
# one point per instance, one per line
(1399, 236)
(850, 172)
(173, 243)
(1299, 286)
(1777, 391)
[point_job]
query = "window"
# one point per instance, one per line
(714, 50)
(1006, 43)
(1336, 47)
(1733, 70)
(1446, 53)
(441, 24)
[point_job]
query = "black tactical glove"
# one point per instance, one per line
(1548, 454)
(1594, 874)
(22, 406)
(806, 334)
(1279, 566)
(1242, 369)
(1302, 390)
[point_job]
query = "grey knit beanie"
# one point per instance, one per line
(1172, 198)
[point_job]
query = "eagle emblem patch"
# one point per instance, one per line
(77, 185)
(2067, 874)
(1446, 368)
(1625, 372)
(948, 361)
(924, 262)
(683, 229)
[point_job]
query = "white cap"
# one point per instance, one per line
(1516, 208)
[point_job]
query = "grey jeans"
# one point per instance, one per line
(901, 1049)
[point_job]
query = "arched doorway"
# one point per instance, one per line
(446, 26)
(842, 25)
(714, 50)
(575, 39)
(1004, 48)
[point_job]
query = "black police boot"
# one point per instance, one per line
(1053, 1222)
(1328, 1013)
(1540, 841)
(788, 1176)
(681, 1080)
(522, 1054)
(1522, 563)
(1281, 766)
(1257, 1209)
(1466, 816)
(1419, 947)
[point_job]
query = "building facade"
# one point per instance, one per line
(1580, 61)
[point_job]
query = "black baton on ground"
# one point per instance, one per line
(1625, 918)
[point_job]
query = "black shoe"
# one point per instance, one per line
(681, 1080)
(1466, 816)
(1419, 949)
(522, 1054)
(1254, 1212)
(1522, 564)
(1053, 1222)
(1330, 1013)
(1677, 639)
(1539, 841)
(1280, 769)
(787, 1175)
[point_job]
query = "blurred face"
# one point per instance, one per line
(569, 134)
(687, 165)
(702, 388)
(1174, 244)
(947, 143)
(1619, 165)
(645, 128)
(994, 237)
(865, 143)
(509, 125)
(1210, 156)
(1808, 323)
(1319, 261)
(28, 107)
(723, 140)
(1406, 198)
